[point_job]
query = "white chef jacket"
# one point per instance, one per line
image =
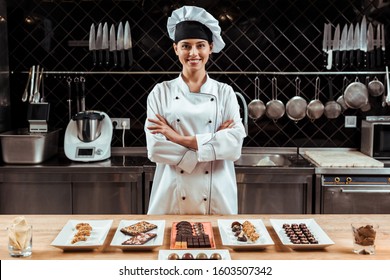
(188, 181)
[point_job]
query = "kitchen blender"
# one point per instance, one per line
(88, 137)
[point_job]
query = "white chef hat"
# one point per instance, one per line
(194, 22)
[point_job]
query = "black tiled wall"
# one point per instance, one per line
(270, 36)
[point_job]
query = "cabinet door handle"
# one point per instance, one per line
(364, 191)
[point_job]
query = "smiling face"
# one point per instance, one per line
(193, 53)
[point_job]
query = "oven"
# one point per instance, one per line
(354, 194)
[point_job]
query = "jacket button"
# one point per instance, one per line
(206, 172)
(205, 198)
(212, 99)
(178, 120)
(210, 121)
(177, 97)
(183, 197)
(181, 171)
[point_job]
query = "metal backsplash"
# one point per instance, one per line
(263, 38)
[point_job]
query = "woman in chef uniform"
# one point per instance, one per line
(193, 129)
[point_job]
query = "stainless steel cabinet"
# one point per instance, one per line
(35, 193)
(107, 193)
(274, 191)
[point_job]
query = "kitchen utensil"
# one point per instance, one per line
(341, 100)
(296, 106)
(69, 81)
(25, 93)
(336, 45)
(120, 44)
(113, 44)
(105, 42)
(92, 43)
(370, 47)
(32, 85)
(128, 45)
(350, 44)
(383, 44)
(36, 81)
(356, 44)
(376, 87)
(363, 40)
(343, 45)
(377, 46)
(274, 108)
(366, 107)
(327, 46)
(387, 86)
(99, 43)
(356, 95)
(76, 81)
(43, 97)
(82, 81)
(37, 95)
(384, 97)
(256, 107)
(332, 109)
(315, 108)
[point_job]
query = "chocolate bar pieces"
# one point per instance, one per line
(139, 239)
(137, 228)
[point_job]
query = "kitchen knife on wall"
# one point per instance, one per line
(383, 44)
(356, 44)
(363, 40)
(325, 43)
(336, 45)
(92, 43)
(350, 44)
(377, 45)
(113, 44)
(128, 45)
(370, 47)
(99, 43)
(105, 42)
(343, 45)
(119, 44)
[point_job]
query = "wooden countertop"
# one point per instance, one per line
(337, 227)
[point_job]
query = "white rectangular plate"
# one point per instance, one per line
(120, 237)
(163, 254)
(100, 229)
(315, 229)
(228, 238)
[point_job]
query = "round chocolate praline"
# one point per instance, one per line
(173, 256)
(201, 256)
(286, 225)
(187, 256)
(295, 226)
(215, 256)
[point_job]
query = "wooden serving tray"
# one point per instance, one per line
(208, 229)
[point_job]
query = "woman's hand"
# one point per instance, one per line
(161, 126)
(226, 124)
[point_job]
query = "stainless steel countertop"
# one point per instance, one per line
(135, 159)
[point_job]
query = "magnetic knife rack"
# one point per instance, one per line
(209, 72)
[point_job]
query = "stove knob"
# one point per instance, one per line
(99, 152)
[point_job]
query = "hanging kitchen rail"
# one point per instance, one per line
(209, 72)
